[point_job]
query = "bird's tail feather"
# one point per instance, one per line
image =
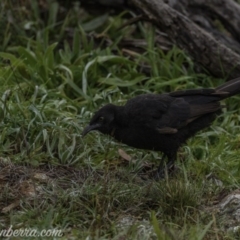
(231, 88)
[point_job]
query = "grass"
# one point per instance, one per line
(57, 67)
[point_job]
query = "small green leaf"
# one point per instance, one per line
(101, 59)
(95, 23)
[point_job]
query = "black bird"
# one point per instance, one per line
(162, 122)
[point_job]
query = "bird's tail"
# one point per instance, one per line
(229, 88)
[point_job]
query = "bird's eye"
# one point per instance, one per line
(101, 119)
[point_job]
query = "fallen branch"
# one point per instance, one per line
(218, 59)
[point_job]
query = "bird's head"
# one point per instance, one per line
(102, 121)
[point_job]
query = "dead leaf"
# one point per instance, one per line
(10, 207)
(124, 155)
(42, 177)
(27, 188)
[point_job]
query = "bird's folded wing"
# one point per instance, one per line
(180, 113)
(200, 96)
(162, 113)
(175, 117)
(167, 114)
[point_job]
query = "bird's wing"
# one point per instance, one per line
(201, 101)
(199, 96)
(167, 114)
(163, 113)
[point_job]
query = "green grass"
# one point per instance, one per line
(55, 71)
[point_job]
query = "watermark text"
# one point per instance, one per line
(30, 232)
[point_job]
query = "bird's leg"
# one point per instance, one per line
(160, 167)
(171, 159)
(160, 171)
(165, 167)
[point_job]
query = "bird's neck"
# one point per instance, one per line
(121, 118)
(120, 122)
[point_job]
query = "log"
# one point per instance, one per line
(218, 59)
(227, 11)
(221, 18)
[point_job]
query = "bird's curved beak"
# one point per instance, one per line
(89, 128)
